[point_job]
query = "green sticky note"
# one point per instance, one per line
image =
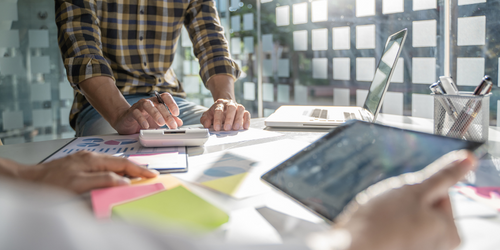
(174, 207)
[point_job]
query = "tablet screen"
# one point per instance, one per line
(329, 173)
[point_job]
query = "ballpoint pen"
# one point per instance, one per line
(471, 109)
(436, 88)
(160, 100)
(447, 104)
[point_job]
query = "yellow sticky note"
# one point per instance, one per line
(175, 207)
(227, 185)
(167, 180)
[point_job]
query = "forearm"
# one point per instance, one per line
(9, 168)
(221, 86)
(14, 170)
(105, 97)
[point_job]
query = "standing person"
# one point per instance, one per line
(117, 53)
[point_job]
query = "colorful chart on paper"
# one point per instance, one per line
(125, 146)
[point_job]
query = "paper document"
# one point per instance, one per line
(127, 146)
(465, 207)
(489, 196)
(225, 137)
(177, 207)
(237, 172)
(104, 199)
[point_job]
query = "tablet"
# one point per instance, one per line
(328, 174)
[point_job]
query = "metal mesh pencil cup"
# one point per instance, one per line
(463, 116)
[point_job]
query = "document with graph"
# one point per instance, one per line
(128, 146)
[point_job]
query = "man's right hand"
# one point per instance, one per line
(148, 113)
(105, 97)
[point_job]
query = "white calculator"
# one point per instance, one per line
(173, 137)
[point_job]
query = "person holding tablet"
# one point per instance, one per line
(412, 217)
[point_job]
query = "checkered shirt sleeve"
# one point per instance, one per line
(80, 41)
(209, 44)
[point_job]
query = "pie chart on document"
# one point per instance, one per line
(120, 142)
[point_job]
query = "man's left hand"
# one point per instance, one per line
(226, 114)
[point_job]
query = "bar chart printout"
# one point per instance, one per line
(123, 146)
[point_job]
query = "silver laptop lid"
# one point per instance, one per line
(384, 72)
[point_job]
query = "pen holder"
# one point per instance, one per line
(463, 116)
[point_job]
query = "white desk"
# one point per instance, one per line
(477, 232)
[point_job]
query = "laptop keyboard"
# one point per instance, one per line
(323, 114)
(349, 116)
(320, 113)
(316, 113)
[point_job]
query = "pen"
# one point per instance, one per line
(446, 103)
(437, 89)
(484, 87)
(160, 100)
(470, 110)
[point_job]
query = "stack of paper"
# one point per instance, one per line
(147, 201)
(104, 199)
(175, 207)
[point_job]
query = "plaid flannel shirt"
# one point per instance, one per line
(134, 42)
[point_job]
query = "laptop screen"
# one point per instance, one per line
(384, 71)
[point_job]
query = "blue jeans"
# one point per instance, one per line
(90, 122)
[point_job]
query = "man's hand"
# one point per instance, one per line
(412, 217)
(84, 171)
(102, 93)
(148, 113)
(225, 113)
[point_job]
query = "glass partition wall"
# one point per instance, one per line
(325, 52)
(297, 52)
(35, 96)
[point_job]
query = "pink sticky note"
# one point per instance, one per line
(104, 199)
(486, 195)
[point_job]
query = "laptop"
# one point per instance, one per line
(333, 116)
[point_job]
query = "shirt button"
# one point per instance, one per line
(140, 38)
(145, 64)
(142, 11)
(159, 80)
